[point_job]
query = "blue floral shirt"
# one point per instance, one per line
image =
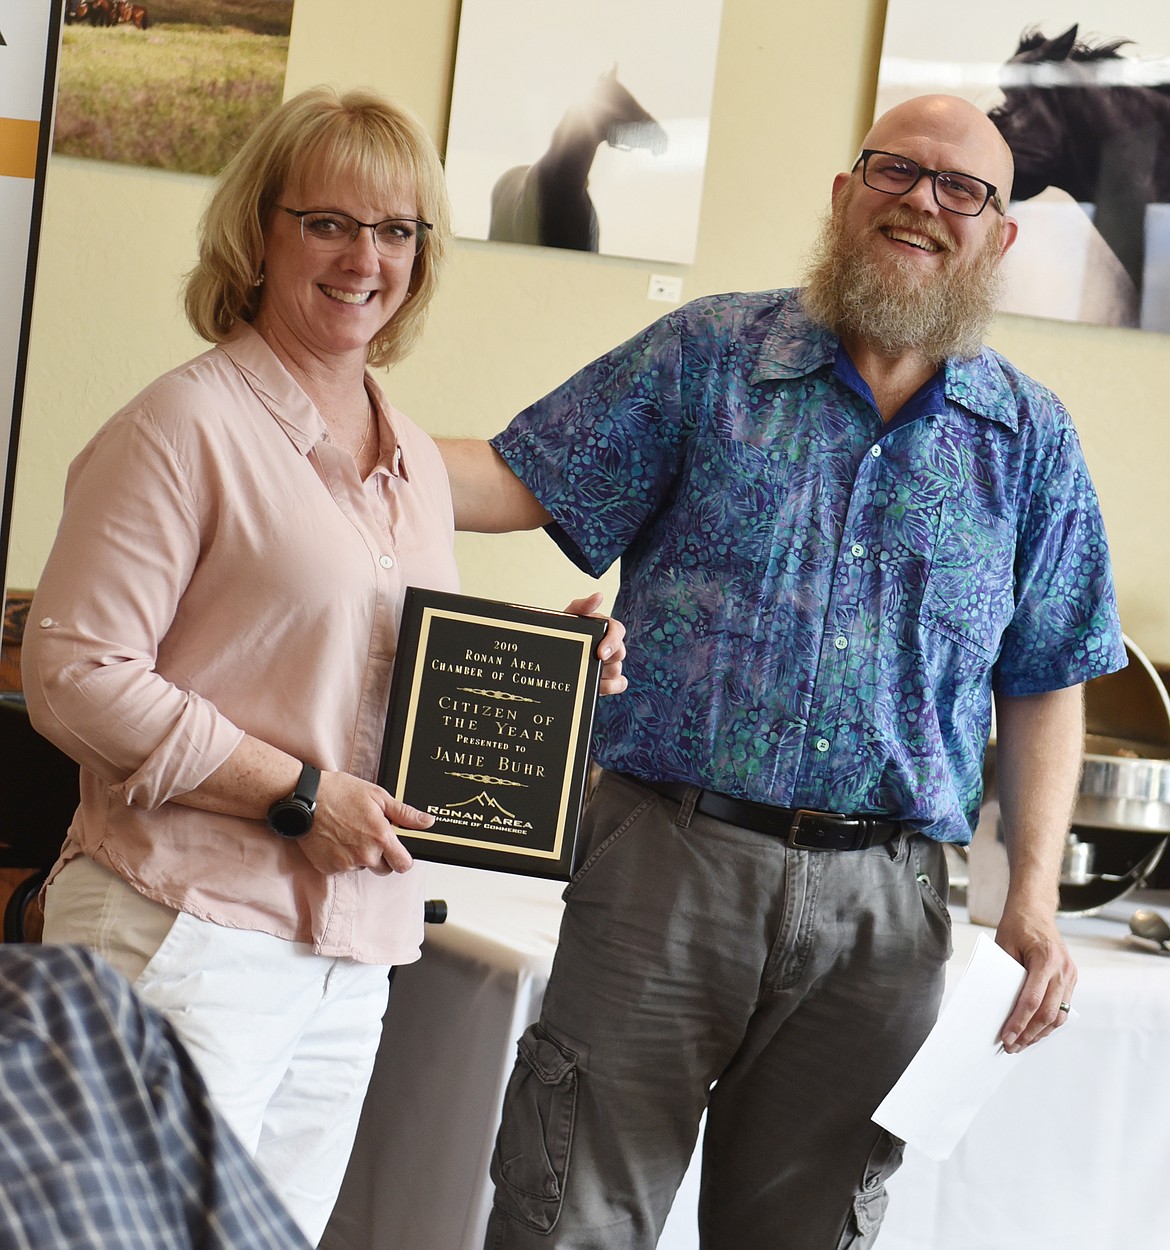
(818, 605)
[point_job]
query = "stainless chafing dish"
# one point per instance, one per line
(1121, 821)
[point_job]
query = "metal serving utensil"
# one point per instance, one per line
(1151, 927)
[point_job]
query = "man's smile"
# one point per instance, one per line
(911, 238)
(924, 234)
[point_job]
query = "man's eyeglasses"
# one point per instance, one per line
(330, 231)
(899, 175)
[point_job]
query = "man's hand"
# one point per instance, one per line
(611, 651)
(1035, 941)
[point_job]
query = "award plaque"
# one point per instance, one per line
(491, 710)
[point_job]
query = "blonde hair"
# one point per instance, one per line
(356, 135)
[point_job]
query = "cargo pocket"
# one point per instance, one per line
(531, 1157)
(869, 1206)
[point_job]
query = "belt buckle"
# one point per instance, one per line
(826, 839)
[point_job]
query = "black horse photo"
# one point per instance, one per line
(548, 202)
(1078, 117)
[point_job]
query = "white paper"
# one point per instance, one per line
(962, 1061)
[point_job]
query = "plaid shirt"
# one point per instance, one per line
(818, 605)
(107, 1138)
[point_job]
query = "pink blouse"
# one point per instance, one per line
(221, 569)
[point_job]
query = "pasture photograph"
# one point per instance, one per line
(1080, 90)
(172, 84)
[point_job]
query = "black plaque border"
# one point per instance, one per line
(420, 609)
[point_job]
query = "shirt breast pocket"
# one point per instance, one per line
(970, 588)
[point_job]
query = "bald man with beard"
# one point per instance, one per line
(845, 528)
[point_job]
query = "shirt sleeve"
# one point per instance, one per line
(109, 1137)
(129, 538)
(602, 450)
(1065, 629)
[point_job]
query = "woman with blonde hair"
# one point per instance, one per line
(215, 631)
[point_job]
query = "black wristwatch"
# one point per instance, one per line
(292, 816)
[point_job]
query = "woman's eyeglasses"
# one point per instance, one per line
(330, 231)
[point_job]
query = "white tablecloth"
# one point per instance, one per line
(1072, 1152)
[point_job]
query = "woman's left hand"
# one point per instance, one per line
(612, 648)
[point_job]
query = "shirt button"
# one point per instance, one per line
(387, 562)
(47, 622)
(822, 745)
(840, 642)
(875, 452)
(858, 550)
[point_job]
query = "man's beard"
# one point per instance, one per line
(895, 307)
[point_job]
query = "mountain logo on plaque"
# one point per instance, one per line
(491, 711)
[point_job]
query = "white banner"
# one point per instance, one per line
(29, 40)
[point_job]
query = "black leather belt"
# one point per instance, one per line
(799, 827)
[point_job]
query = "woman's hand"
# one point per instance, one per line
(353, 827)
(611, 651)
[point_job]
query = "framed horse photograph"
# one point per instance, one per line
(583, 126)
(1081, 94)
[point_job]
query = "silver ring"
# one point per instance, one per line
(1064, 1007)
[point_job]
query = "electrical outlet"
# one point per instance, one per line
(665, 288)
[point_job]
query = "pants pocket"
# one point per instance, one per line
(869, 1206)
(930, 866)
(531, 1157)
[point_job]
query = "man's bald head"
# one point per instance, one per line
(949, 123)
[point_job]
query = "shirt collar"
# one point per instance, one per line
(981, 387)
(292, 409)
(795, 346)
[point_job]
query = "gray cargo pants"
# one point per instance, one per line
(701, 965)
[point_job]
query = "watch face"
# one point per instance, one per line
(291, 817)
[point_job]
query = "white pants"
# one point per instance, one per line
(285, 1039)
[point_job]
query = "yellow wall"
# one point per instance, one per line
(793, 94)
